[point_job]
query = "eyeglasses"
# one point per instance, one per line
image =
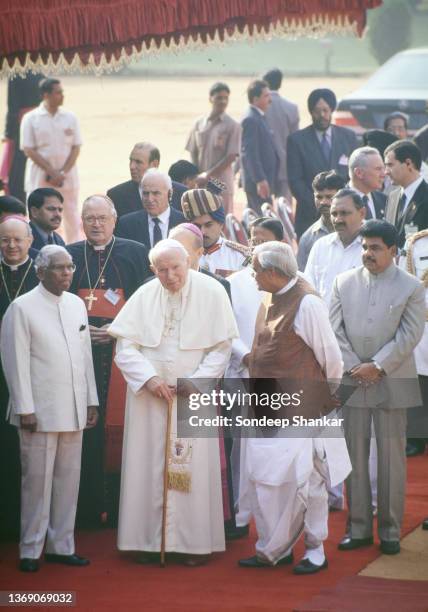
(63, 268)
(92, 220)
(8, 241)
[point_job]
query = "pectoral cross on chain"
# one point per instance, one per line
(91, 298)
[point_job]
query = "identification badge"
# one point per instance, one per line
(111, 296)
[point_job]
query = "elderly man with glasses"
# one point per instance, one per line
(46, 355)
(109, 270)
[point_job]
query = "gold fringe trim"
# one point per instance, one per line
(410, 264)
(313, 27)
(179, 481)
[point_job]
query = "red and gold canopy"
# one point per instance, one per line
(102, 35)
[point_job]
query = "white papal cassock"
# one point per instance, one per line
(181, 335)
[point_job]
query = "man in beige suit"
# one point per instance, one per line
(378, 314)
(47, 361)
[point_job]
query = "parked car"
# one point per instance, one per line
(401, 84)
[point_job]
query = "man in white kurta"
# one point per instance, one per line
(288, 475)
(246, 300)
(46, 355)
(50, 138)
(179, 325)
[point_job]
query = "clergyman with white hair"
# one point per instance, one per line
(179, 325)
(288, 475)
(367, 172)
(108, 271)
(156, 217)
(47, 361)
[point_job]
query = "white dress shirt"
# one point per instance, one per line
(328, 258)
(53, 137)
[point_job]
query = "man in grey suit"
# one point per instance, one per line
(378, 314)
(259, 159)
(283, 119)
(314, 149)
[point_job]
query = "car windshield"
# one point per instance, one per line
(407, 71)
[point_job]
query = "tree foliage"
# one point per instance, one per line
(390, 29)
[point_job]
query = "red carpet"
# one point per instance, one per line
(358, 593)
(114, 582)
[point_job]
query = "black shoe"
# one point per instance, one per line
(235, 533)
(307, 567)
(389, 547)
(145, 558)
(348, 543)
(425, 524)
(255, 562)
(415, 447)
(29, 565)
(66, 559)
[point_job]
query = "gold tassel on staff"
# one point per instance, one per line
(165, 482)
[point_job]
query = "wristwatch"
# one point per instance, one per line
(379, 368)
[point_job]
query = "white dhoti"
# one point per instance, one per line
(293, 498)
(279, 471)
(50, 464)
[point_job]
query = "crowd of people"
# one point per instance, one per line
(102, 337)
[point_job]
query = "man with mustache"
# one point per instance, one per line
(377, 351)
(325, 186)
(318, 147)
(45, 206)
(341, 250)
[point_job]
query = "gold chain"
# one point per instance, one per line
(92, 289)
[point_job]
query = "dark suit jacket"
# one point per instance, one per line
(416, 211)
(305, 160)
(135, 225)
(379, 201)
(126, 197)
(38, 240)
(259, 159)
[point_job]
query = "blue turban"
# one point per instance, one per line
(326, 94)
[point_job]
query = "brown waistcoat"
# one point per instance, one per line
(277, 351)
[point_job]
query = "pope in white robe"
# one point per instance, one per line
(179, 325)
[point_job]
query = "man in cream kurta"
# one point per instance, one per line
(178, 325)
(288, 476)
(47, 361)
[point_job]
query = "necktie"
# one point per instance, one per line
(401, 206)
(50, 239)
(325, 147)
(365, 199)
(157, 232)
